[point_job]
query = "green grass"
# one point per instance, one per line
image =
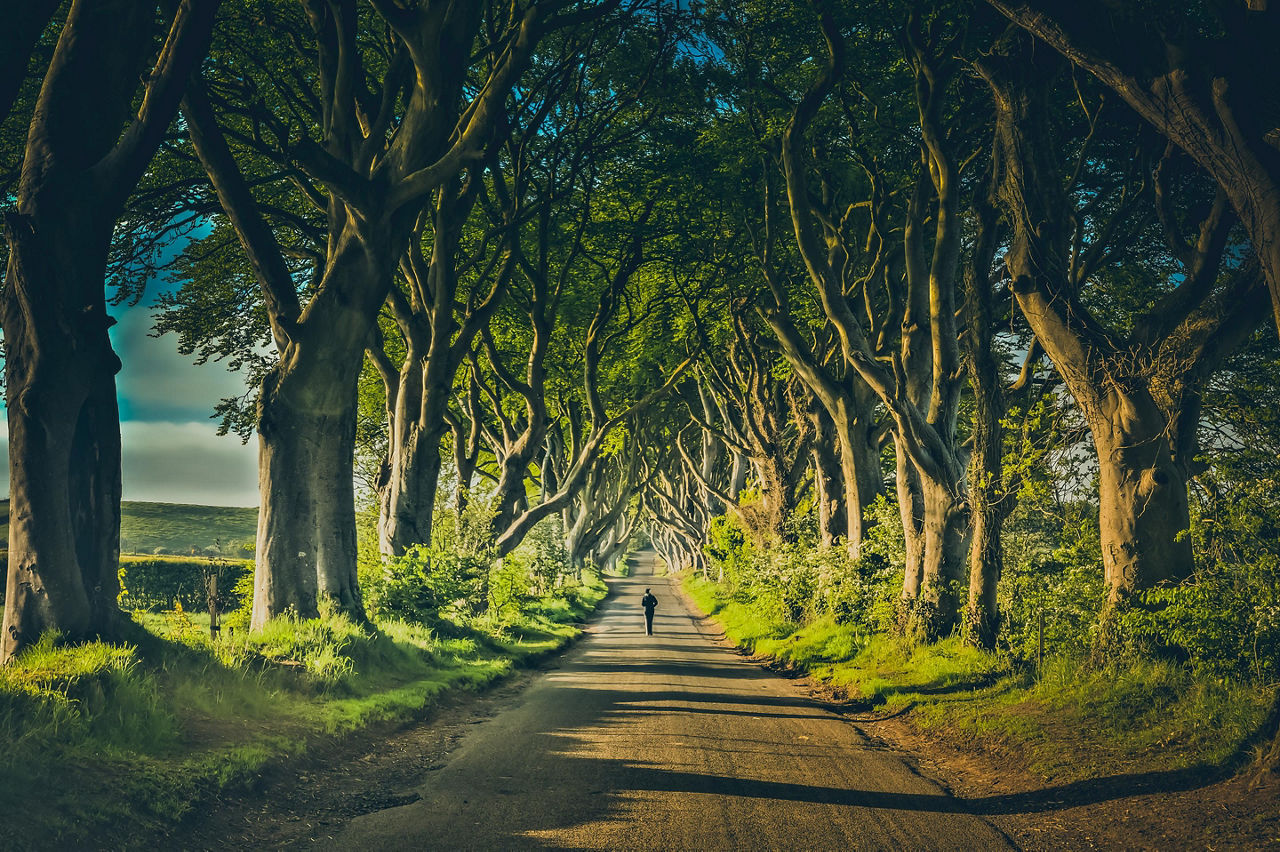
(179, 528)
(1075, 721)
(102, 737)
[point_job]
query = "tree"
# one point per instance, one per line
(1140, 388)
(1203, 74)
(921, 389)
(559, 122)
(396, 119)
(85, 153)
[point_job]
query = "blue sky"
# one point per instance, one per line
(172, 452)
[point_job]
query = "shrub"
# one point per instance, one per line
(510, 588)
(160, 583)
(426, 582)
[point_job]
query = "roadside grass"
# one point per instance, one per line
(1076, 720)
(102, 737)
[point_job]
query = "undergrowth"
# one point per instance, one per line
(135, 734)
(1075, 719)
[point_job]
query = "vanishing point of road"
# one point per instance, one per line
(668, 741)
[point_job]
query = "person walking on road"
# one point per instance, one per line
(650, 603)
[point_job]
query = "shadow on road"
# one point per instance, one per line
(1035, 801)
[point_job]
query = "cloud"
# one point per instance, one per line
(189, 462)
(171, 450)
(156, 382)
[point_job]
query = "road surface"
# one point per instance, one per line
(668, 741)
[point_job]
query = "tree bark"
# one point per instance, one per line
(1143, 513)
(407, 497)
(945, 545)
(64, 439)
(828, 484)
(306, 551)
(990, 498)
(90, 138)
(911, 508)
(1212, 99)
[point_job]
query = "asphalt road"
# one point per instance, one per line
(668, 741)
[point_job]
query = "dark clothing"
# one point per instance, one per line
(650, 603)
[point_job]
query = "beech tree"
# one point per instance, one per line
(1139, 389)
(100, 115)
(1203, 74)
(560, 121)
(921, 386)
(396, 119)
(764, 417)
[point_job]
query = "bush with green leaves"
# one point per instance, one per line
(156, 583)
(545, 555)
(1055, 574)
(428, 582)
(448, 577)
(794, 583)
(1225, 619)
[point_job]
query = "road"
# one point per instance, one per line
(668, 741)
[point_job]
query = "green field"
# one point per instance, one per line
(176, 528)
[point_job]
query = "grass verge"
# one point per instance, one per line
(112, 738)
(1074, 721)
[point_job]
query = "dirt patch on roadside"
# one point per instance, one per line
(1180, 809)
(308, 799)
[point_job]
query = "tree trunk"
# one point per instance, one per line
(407, 498)
(64, 439)
(1143, 492)
(828, 489)
(1142, 499)
(91, 135)
(738, 474)
(911, 508)
(945, 541)
(990, 496)
(306, 525)
(989, 509)
(860, 471)
(306, 428)
(711, 450)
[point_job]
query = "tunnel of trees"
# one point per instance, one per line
(922, 314)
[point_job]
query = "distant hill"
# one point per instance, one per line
(175, 527)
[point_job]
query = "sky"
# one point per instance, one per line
(172, 452)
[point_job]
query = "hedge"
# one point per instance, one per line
(156, 582)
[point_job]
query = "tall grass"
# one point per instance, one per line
(100, 736)
(1077, 718)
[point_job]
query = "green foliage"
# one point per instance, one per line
(449, 577)
(510, 589)
(1058, 579)
(427, 583)
(1222, 622)
(158, 582)
(99, 738)
(459, 578)
(791, 583)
